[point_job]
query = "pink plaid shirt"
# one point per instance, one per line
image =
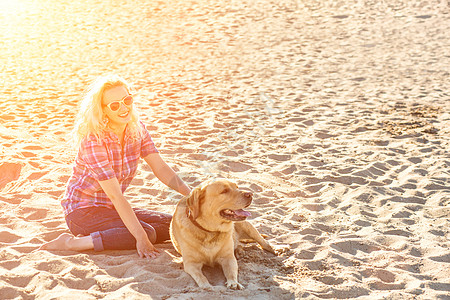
(102, 160)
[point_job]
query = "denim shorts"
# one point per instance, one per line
(108, 231)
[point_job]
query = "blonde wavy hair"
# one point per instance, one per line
(90, 119)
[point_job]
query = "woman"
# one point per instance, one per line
(111, 140)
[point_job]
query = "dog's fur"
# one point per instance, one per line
(206, 228)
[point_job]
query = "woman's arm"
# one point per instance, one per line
(112, 189)
(165, 174)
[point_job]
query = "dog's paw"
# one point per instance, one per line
(239, 252)
(269, 249)
(206, 287)
(281, 250)
(234, 285)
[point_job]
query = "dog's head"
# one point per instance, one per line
(220, 200)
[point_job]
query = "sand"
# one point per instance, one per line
(335, 114)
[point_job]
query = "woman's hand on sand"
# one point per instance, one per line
(146, 249)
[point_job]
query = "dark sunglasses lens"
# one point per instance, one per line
(128, 100)
(114, 106)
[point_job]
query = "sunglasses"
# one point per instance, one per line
(115, 106)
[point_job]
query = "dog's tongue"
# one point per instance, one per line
(242, 213)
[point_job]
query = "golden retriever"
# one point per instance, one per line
(206, 228)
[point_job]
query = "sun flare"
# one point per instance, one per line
(11, 8)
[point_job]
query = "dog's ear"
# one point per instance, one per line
(193, 201)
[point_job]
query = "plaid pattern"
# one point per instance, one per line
(102, 160)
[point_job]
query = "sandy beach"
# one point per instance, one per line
(335, 114)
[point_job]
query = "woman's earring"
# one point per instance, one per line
(105, 120)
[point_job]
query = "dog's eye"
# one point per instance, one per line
(225, 191)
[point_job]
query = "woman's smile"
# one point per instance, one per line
(122, 116)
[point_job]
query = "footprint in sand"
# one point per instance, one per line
(8, 237)
(54, 266)
(9, 172)
(398, 232)
(32, 147)
(280, 157)
(19, 280)
(28, 154)
(445, 258)
(10, 264)
(232, 166)
(32, 214)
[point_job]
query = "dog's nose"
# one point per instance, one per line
(248, 195)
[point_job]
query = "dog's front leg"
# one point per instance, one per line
(195, 270)
(230, 270)
(247, 228)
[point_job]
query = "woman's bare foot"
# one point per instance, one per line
(67, 241)
(62, 242)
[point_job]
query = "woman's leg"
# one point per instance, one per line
(119, 237)
(105, 228)
(101, 228)
(67, 241)
(158, 220)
